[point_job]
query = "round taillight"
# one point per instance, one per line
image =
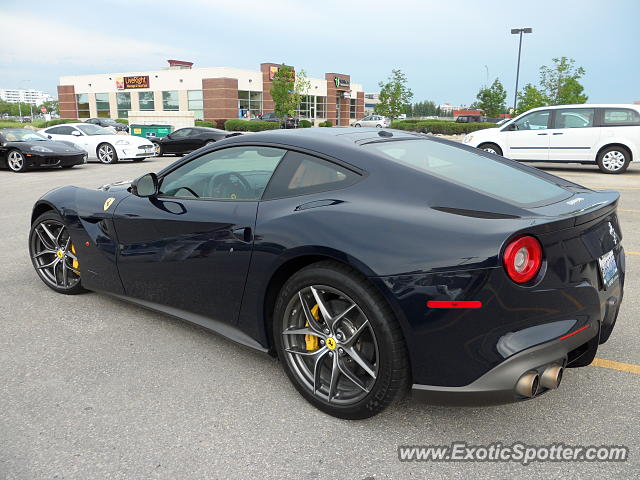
(522, 259)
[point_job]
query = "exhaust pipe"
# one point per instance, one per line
(527, 385)
(551, 377)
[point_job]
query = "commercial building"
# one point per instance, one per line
(370, 102)
(181, 94)
(15, 95)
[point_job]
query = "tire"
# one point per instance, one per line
(379, 126)
(491, 148)
(16, 161)
(357, 125)
(107, 154)
(50, 244)
(614, 159)
(159, 150)
(368, 331)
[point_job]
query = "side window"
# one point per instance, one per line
(60, 130)
(620, 116)
(183, 132)
(574, 118)
(235, 173)
(301, 174)
(533, 121)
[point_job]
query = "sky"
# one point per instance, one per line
(448, 49)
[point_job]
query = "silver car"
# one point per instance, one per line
(377, 121)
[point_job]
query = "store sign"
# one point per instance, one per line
(341, 82)
(127, 83)
(346, 94)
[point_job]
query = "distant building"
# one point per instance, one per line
(370, 102)
(34, 97)
(447, 109)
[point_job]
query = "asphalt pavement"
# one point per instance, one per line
(95, 388)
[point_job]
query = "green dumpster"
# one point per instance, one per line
(147, 131)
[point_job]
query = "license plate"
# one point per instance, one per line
(608, 269)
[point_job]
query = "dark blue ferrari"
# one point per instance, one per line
(368, 261)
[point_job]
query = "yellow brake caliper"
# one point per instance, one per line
(311, 341)
(75, 263)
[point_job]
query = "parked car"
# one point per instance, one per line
(477, 280)
(185, 140)
(102, 144)
(377, 121)
(108, 123)
(22, 149)
(290, 122)
(607, 135)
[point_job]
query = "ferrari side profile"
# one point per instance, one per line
(368, 261)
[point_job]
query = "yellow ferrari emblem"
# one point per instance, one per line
(107, 203)
(60, 253)
(331, 343)
(233, 195)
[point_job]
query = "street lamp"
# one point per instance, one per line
(518, 31)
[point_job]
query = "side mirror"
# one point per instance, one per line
(76, 133)
(512, 127)
(145, 186)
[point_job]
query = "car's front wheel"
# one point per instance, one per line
(490, 148)
(357, 125)
(53, 254)
(339, 342)
(159, 150)
(614, 159)
(107, 154)
(16, 161)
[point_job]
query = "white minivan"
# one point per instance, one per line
(608, 135)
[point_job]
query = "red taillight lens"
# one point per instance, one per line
(522, 259)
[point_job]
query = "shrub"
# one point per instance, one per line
(305, 124)
(442, 127)
(239, 125)
(123, 120)
(11, 124)
(203, 123)
(327, 123)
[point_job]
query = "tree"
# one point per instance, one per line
(560, 82)
(287, 90)
(492, 100)
(530, 97)
(394, 95)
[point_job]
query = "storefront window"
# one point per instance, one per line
(250, 103)
(102, 105)
(145, 101)
(82, 101)
(196, 104)
(123, 100)
(352, 108)
(321, 107)
(307, 108)
(170, 101)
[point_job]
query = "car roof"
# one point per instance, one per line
(589, 105)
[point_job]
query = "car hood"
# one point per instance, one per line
(57, 147)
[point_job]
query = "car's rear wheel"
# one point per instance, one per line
(53, 254)
(614, 160)
(378, 126)
(357, 125)
(339, 342)
(16, 161)
(107, 154)
(491, 148)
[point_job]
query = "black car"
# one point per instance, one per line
(22, 149)
(185, 140)
(107, 122)
(368, 261)
(289, 122)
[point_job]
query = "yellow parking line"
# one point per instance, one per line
(628, 210)
(611, 187)
(623, 367)
(632, 253)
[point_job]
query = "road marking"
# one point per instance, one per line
(611, 187)
(613, 365)
(628, 210)
(632, 253)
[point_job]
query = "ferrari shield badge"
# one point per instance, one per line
(107, 203)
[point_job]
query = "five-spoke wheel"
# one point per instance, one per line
(16, 161)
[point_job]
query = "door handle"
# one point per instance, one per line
(542, 134)
(558, 133)
(244, 234)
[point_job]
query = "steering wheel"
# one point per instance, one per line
(188, 190)
(222, 186)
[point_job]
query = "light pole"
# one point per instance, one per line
(518, 31)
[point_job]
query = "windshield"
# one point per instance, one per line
(21, 135)
(472, 170)
(89, 129)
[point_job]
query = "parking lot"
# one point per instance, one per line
(92, 387)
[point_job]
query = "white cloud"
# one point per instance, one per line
(59, 43)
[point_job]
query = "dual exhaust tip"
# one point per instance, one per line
(530, 384)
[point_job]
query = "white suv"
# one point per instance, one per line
(608, 135)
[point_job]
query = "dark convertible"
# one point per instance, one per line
(22, 149)
(368, 261)
(186, 140)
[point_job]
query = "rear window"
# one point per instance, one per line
(472, 170)
(620, 116)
